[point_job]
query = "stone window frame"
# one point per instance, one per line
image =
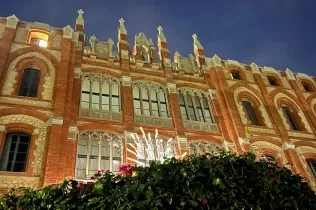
(115, 142)
(149, 87)
(208, 147)
(33, 72)
(201, 95)
(307, 86)
(275, 78)
(101, 78)
(31, 63)
(242, 76)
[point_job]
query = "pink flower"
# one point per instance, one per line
(126, 169)
(204, 201)
(80, 184)
(92, 178)
(203, 154)
(79, 195)
(291, 197)
(119, 174)
(98, 171)
(107, 171)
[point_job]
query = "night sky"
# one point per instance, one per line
(275, 33)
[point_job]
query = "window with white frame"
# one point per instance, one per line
(100, 92)
(150, 100)
(198, 147)
(195, 106)
(98, 150)
(153, 149)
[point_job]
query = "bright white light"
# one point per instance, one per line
(42, 43)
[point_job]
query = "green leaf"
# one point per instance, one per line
(149, 194)
(193, 203)
(93, 201)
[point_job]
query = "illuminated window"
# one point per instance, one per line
(15, 152)
(29, 83)
(38, 38)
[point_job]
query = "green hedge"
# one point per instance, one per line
(220, 182)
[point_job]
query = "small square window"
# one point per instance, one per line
(235, 75)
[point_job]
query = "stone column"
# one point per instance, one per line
(293, 158)
(164, 55)
(123, 48)
(182, 146)
(127, 102)
(2, 137)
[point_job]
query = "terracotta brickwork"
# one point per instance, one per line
(55, 118)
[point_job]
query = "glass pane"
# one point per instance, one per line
(144, 94)
(29, 83)
(192, 114)
(86, 85)
(146, 108)
(115, 89)
(105, 164)
(183, 113)
(153, 95)
(21, 157)
(105, 88)
(93, 165)
(94, 147)
(105, 149)
(115, 109)
(181, 99)
(115, 103)
(105, 103)
(95, 101)
(23, 147)
(162, 97)
(189, 101)
(95, 87)
(117, 152)
(85, 99)
(19, 167)
(24, 139)
(116, 164)
(135, 92)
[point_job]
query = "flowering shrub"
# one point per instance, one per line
(227, 181)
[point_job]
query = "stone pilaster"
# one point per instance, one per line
(199, 52)
(164, 54)
(182, 146)
(293, 158)
(127, 102)
(130, 150)
(123, 48)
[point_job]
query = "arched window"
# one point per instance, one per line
(235, 75)
(153, 149)
(99, 92)
(30, 82)
(269, 158)
(308, 87)
(38, 38)
(150, 100)
(15, 152)
(250, 112)
(273, 81)
(97, 150)
(198, 147)
(290, 118)
(194, 106)
(312, 165)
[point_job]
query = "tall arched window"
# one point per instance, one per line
(250, 112)
(15, 152)
(30, 82)
(97, 150)
(290, 118)
(198, 147)
(100, 93)
(150, 100)
(312, 165)
(194, 106)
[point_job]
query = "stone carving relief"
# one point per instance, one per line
(193, 92)
(37, 25)
(145, 46)
(101, 49)
(67, 32)
(300, 113)
(149, 86)
(262, 108)
(185, 64)
(12, 73)
(257, 147)
(12, 21)
(198, 147)
(57, 41)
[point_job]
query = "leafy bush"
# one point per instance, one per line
(227, 181)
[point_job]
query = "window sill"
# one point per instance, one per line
(150, 120)
(301, 134)
(10, 173)
(100, 114)
(201, 126)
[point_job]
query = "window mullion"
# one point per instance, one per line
(158, 101)
(141, 100)
(111, 155)
(149, 101)
(100, 154)
(197, 116)
(110, 94)
(186, 106)
(15, 152)
(88, 157)
(202, 107)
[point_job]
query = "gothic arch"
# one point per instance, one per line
(22, 111)
(118, 130)
(197, 147)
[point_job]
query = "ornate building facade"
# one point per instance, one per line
(68, 108)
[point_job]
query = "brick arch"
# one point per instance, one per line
(312, 101)
(248, 95)
(20, 127)
(307, 82)
(32, 57)
(305, 143)
(100, 127)
(239, 84)
(13, 111)
(102, 71)
(268, 139)
(236, 69)
(307, 152)
(275, 76)
(288, 95)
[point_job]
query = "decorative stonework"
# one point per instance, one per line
(73, 131)
(57, 121)
(103, 49)
(233, 62)
(122, 29)
(172, 88)
(27, 102)
(161, 36)
(201, 126)
(57, 42)
(254, 68)
(213, 94)
(43, 26)
(198, 147)
(100, 114)
(185, 64)
(196, 44)
(12, 21)
(302, 135)
(182, 142)
(301, 151)
(12, 73)
(306, 124)
(243, 140)
(193, 91)
(167, 62)
(150, 120)
(40, 141)
(79, 20)
(287, 145)
(261, 130)
(126, 81)
(124, 54)
(212, 62)
(289, 74)
(261, 107)
(8, 182)
(67, 32)
(77, 73)
(259, 146)
(228, 146)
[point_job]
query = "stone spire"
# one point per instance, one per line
(196, 43)
(161, 36)
(122, 29)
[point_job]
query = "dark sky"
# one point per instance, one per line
(275, 33)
